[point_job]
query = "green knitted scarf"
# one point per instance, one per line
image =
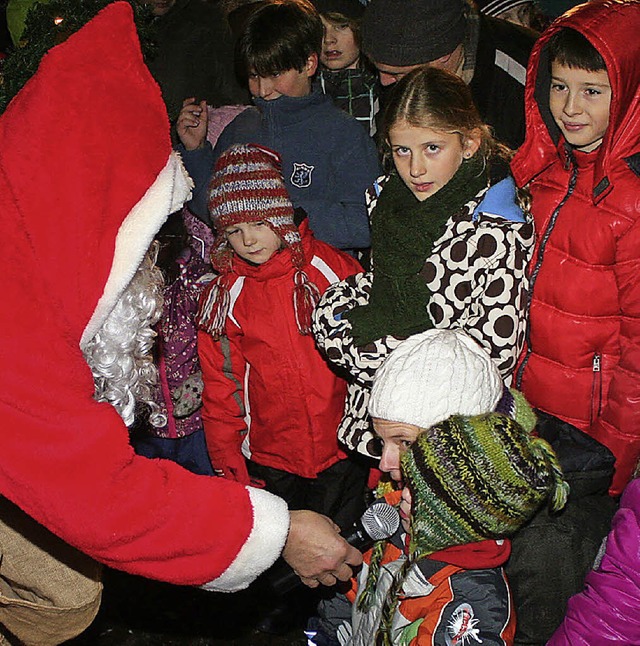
(403, 231)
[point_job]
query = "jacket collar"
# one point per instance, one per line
(287, 110)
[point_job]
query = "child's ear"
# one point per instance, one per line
(471, 143)
(312, 64)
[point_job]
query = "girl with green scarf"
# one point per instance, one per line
(451, 240)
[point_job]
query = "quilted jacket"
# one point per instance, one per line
(582, 356)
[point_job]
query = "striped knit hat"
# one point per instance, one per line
(477, 478)
(247, 186)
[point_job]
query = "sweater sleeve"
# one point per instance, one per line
(618, 425)
(199, 164)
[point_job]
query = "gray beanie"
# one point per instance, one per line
(433, 375)
(412, 32)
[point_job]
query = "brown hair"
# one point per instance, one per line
(279, 36)
(337, 18)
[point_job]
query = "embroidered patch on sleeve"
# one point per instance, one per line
(301, 175)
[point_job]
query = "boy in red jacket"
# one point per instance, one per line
(581, 162)
(271, 403)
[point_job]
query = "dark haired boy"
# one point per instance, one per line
(581, 163)
(328, 159)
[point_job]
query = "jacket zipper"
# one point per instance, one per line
(536, 270)
(596, 388)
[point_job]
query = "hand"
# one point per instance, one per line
(191, 125)
(232, 467)
(316, 551)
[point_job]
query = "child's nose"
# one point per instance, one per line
(418, 166)
(248, 238)
(330, 37)
(572, 104)
(389, 460)
(265, 87)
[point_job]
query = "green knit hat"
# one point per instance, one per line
(476, 478)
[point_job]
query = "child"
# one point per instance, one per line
(446, 251)
(328, 159)
(345, 74)
(269, 396)
(471, 477)
(424, 381)
(467, 479)
(580, 162)
(176, 433)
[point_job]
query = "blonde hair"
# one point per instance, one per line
(120, 354)
(430, 97)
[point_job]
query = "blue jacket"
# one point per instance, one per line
(328, 162)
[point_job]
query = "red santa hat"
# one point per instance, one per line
(88, 95)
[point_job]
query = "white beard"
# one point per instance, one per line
(120, 354)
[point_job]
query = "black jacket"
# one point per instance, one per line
(497, 85)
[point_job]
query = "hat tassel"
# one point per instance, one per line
(305, 298)
(214, 307)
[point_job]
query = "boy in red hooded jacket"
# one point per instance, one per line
(581, 161)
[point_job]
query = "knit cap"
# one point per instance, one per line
(433, 375)
(412, 32)
(477, 478)
(247, 186)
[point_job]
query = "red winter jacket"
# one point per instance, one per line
(582, 356)
(267, 389)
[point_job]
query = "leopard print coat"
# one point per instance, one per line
(476, 275)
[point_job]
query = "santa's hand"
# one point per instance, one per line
(317, 552)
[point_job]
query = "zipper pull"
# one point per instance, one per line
(596, 362)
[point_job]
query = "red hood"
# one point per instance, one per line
(611, 26)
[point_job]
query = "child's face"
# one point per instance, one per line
(426, 159)
(254, 242)
(396, 438)
(339, 49)
(289, 83)
(579, 101)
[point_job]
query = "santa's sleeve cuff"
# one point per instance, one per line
(263, 546)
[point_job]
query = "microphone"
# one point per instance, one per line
(379, 521)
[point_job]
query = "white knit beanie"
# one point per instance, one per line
(433, 375)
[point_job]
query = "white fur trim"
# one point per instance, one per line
(171, 189)
(262, 548)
